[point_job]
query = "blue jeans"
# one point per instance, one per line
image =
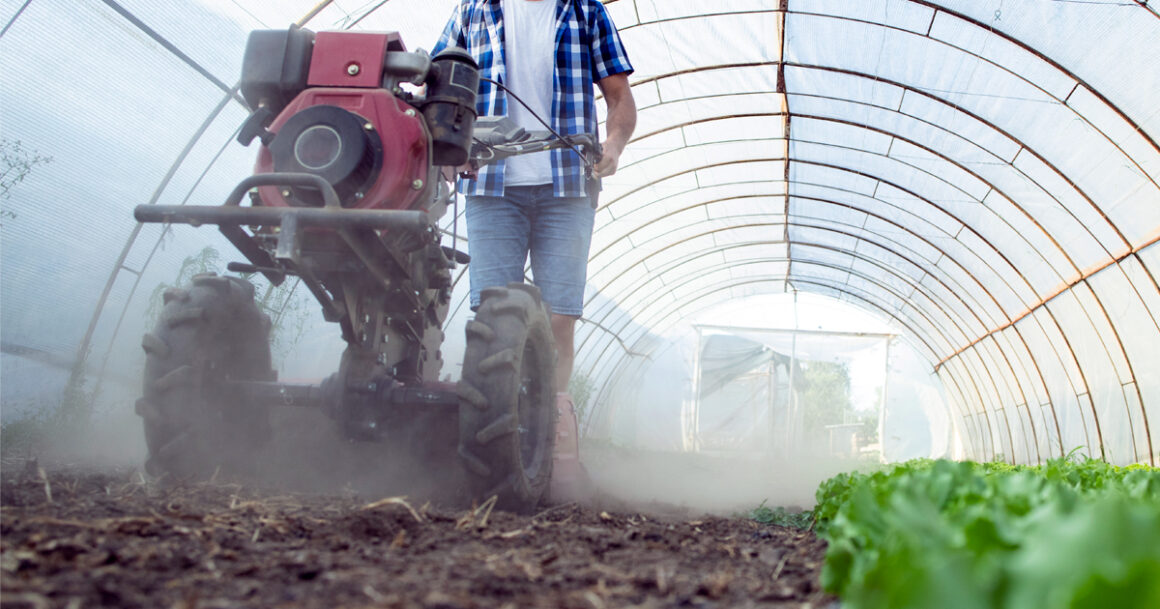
(556, 231)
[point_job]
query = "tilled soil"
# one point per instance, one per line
(75, 538)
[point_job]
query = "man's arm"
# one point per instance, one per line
(620, 124)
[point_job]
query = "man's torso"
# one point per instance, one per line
(529, 56)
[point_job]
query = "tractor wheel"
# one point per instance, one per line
(208, 334)
(507, 411)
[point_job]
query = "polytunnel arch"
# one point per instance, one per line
(992, 187)
(1039, 314)
(597, 255)
(852, 207)
(1047, 235)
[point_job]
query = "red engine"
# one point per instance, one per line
(331, 104)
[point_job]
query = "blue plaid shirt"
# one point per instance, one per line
(588, 49)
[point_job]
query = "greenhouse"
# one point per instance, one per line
(844, 232)
(982, 184)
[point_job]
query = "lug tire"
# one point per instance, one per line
(507, 411)
(209, 333)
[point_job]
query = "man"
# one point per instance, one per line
(549, 53)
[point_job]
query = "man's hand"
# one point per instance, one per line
(609, 159)
(621, 122)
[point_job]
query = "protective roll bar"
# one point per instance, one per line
(330, 215)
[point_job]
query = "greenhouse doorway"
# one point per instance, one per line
(779, 393)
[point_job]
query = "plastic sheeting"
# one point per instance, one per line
(981, 174)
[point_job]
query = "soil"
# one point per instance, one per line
(72, 537)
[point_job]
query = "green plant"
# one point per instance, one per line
(76, 403)
(780, 516)
(1071, 533)
(289, 314)
(824, 395)
(71, 414)
(18, 437)
(25, 436)
(15, 164)
(581, 388)
(208, 260)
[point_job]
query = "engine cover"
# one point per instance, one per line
(383, 166)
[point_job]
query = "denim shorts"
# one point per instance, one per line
(556, 231)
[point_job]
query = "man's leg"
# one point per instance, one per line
(563, 330)
(498, 235)
(570, 481)
(561, 235)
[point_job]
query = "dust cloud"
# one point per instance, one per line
(110, 438)
(724, 485)
(309, 454)
(306, 453)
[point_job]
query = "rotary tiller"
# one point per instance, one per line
(356, 134)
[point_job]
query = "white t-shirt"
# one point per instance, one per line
(530, 57)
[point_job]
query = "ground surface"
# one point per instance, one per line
(72, 538)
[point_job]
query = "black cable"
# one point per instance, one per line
(537, 117)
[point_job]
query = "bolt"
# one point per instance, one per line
(352, 69)
(410, 112)
(285, 192)
(368, 126)
(417, 184)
